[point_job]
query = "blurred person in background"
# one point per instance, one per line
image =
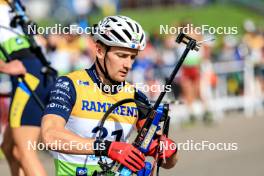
(87, 54)
(14, 68)
(232, 71)
(208, 81)
(143, 70)
(253, 42)
(24, 115)
(259, 75)
(68, 52)
(169, 58)
(190, 76)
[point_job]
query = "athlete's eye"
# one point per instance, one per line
(133, 57)
(122, 55)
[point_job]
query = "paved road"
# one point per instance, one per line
(247, 160)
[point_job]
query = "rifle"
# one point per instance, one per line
(154, 116)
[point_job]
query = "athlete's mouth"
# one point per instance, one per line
(123, 72)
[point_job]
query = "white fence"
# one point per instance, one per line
(249, 103)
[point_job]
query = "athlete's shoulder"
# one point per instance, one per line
(80, 78)
(62, 98)
(76, 74)
(65, 83)
(140, 96)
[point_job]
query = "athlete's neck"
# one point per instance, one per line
(101, 76)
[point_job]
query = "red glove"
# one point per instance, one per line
(167, 148)
(127, 155)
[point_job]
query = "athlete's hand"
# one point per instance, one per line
(167, 148)
(127, 155)
(14, 67)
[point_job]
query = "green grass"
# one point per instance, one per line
(213, 15)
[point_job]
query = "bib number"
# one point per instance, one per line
(117, 133)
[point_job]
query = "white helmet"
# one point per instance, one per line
(120, 31)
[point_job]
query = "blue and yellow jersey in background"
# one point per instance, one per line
(24, 110)
(78, 98)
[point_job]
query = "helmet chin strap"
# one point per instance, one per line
(105, 72)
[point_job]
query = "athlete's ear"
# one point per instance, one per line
(100, 50)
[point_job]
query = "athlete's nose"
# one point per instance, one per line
(128, 63)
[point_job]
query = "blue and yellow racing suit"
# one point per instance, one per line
(79, 99)
(24, 110)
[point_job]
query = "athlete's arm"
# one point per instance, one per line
(62, 99)
(54, 132)
(14, 68)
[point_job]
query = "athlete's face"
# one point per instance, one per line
(119, 62)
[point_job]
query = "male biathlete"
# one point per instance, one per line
(79, 100)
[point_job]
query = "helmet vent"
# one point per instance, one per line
(117, 36)
(130, 25)
(127, 33)
(137, 28)
(106, 37)
(142, 36)
(113, 19)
